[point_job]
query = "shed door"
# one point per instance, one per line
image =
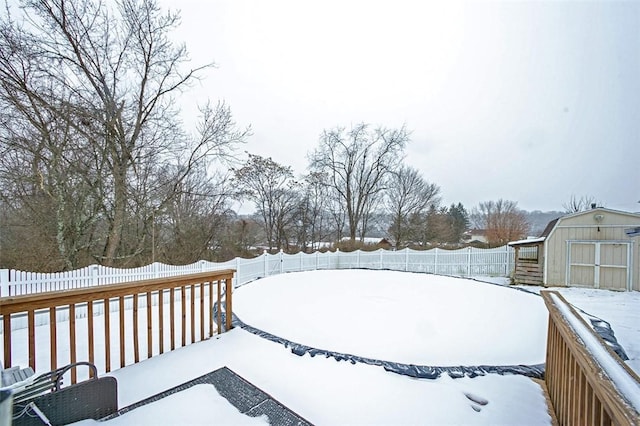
(602, 264)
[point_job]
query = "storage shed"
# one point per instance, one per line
(597, 248)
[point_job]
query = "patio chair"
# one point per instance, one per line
(43, 400)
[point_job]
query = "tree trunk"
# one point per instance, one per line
(117, 222)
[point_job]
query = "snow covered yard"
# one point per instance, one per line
(395, 316)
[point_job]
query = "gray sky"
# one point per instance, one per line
(530, 102)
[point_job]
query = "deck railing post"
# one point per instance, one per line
(228, 309)
(237, 274)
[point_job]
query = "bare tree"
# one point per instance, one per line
(240, 237)
(408, 196)
(313, 214)
(88, 92)
(275, 193)
(575, 204)
(502, 220)
(338, 215)
(191, 226)
(358, 161)
(47, 177)
(368, 213)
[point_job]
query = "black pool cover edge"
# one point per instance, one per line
(411, 370)
(602, 327)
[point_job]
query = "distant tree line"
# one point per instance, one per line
(96, 167)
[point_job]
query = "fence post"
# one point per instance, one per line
(337, 254)
(435, 269)
(4, 282)
(301, 254)
(507, 272)
(94, 275)
(468, 261)
(406, 259)
(381, 258)
(266, 263)
(358, 258)
(154, 267)
(281, 261)
(317, 259)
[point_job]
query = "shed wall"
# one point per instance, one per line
(527, 270)
(585, 228)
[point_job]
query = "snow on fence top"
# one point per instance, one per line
(463, 262)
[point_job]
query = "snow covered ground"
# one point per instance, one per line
(404, 317)
(396, 316)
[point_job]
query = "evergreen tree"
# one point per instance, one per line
(458, 222)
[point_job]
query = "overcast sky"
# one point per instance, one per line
(531, 102)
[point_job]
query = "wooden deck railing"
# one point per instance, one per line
(171, 309)
(588, 383)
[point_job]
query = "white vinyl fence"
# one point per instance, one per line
(463, 262)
